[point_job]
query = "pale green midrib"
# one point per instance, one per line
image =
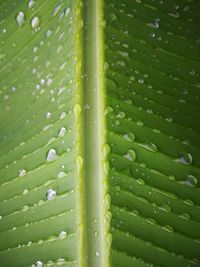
(93, 136)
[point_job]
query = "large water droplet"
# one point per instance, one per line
(185, 159)
(130, 155)
(154, 24)
(35, 22)
(51, 194)
(151, 147)
(190, 181)
(20, 18)
(51, 155)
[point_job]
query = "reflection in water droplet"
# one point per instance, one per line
(22, 173)
(31, 3)
(130, 137)
(38, 264)
(51, 155)
(62, 235)
(97, 253)
(67, 11)
(151, 147)
(130, 155)
(35, 22)
(191, 181)
(62, 132)
(185, 159)
(51, 194)
(20, 18)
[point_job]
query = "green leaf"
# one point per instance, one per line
(99, 133)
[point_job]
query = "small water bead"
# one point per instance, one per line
(168, 228)
(48, 115)
(154, 24)
(62, 132)
(130, 137)
(97, 253)
(185, 216)
(151, 147)
(190, 181)
(140, 123)
(185, 159)
(22, 173)
(25, 192)
(67, 11)
(113, 17)
(51, 155)
(61, 175)
(20, 18)
(31, 3)
(38, 264)
(63, 115)
(57, 9)
(51, 194)
(35, 22)
(131, 155)
(108, 110)
(62, 235)
(121, 115)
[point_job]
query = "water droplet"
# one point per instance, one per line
(190, 181)
(97, 253)
(48, 115)
(25, 192)
(185, 216)
(62, 132)
(31, 3)
(51, 194)
(63, 115)
(130, 155)
(108, 110)
(130, 137)
(113, 17)
(38, 264)
(51, 155)
(62, 235)
(140, 123)
(20, 18)
(151, 147)
(185, 159)
(121, 115)
(168, 228)
(35, 22)
(67, 11)
(22, 173)
(56, 9)
(154, 24)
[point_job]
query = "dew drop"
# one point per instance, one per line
(31, 3)
(185, 216)
(20, 18)
(35, 22)
(191, 181)
(62, 132)
(63, 115)
(48, 115)
(151, 147)
(185, 159)
(51, 155)
(63, 235)
(56, 9)
(130, 155)
(51, 194)
(154, 24)
(130, 137)
(168, 228)
(67, 11)
(38, 264)
(97, 253)
(22, 173)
